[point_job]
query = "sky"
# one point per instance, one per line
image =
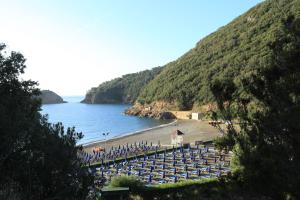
(73, 45)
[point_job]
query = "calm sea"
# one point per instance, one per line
(95, 119)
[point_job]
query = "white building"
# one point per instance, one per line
(197, 116)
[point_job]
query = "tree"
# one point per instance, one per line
(266, 103)
(38, 160)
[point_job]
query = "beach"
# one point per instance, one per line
(193, 130)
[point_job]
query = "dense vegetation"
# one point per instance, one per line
(38, 160)
(49, 97)
(206, 189)
(234, 50)
(265, 99)
(121, 90)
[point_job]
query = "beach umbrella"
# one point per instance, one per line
(151, 168)
(185, 168)
(150, 178)
(199, 172)
(208, 169)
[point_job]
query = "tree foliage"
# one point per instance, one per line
(234, 50)
(121, 90)
(266, 102)
(38, 160)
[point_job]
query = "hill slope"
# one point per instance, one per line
(49, 97)
(121, 90)
(231, 52)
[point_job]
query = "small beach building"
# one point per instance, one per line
(177, 137)
(197, 116)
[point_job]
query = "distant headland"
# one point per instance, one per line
(50, 97)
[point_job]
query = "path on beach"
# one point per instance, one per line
(193, 130)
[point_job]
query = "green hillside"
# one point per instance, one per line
(121, 90)
(233, 51)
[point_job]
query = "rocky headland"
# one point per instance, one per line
(50, 97)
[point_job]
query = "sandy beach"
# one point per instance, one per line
(193, 131)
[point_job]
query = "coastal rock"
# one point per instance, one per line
(157, 110)
(49, 97)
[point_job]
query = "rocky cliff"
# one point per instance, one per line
(158, 110)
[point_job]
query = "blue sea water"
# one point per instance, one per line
(95, 119)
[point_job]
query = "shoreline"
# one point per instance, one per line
(128, 134)
(193, 131)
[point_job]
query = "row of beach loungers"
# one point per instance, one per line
(162, 165)
(119, 152)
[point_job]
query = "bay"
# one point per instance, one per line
(95, 119)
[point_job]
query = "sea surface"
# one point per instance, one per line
(95, 119)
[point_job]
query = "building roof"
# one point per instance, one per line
(177, 132)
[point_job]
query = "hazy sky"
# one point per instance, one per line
(72, 45)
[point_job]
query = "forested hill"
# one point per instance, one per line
(231, 53)
(121, 90)
(49, 97)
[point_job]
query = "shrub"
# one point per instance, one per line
(132, 182)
